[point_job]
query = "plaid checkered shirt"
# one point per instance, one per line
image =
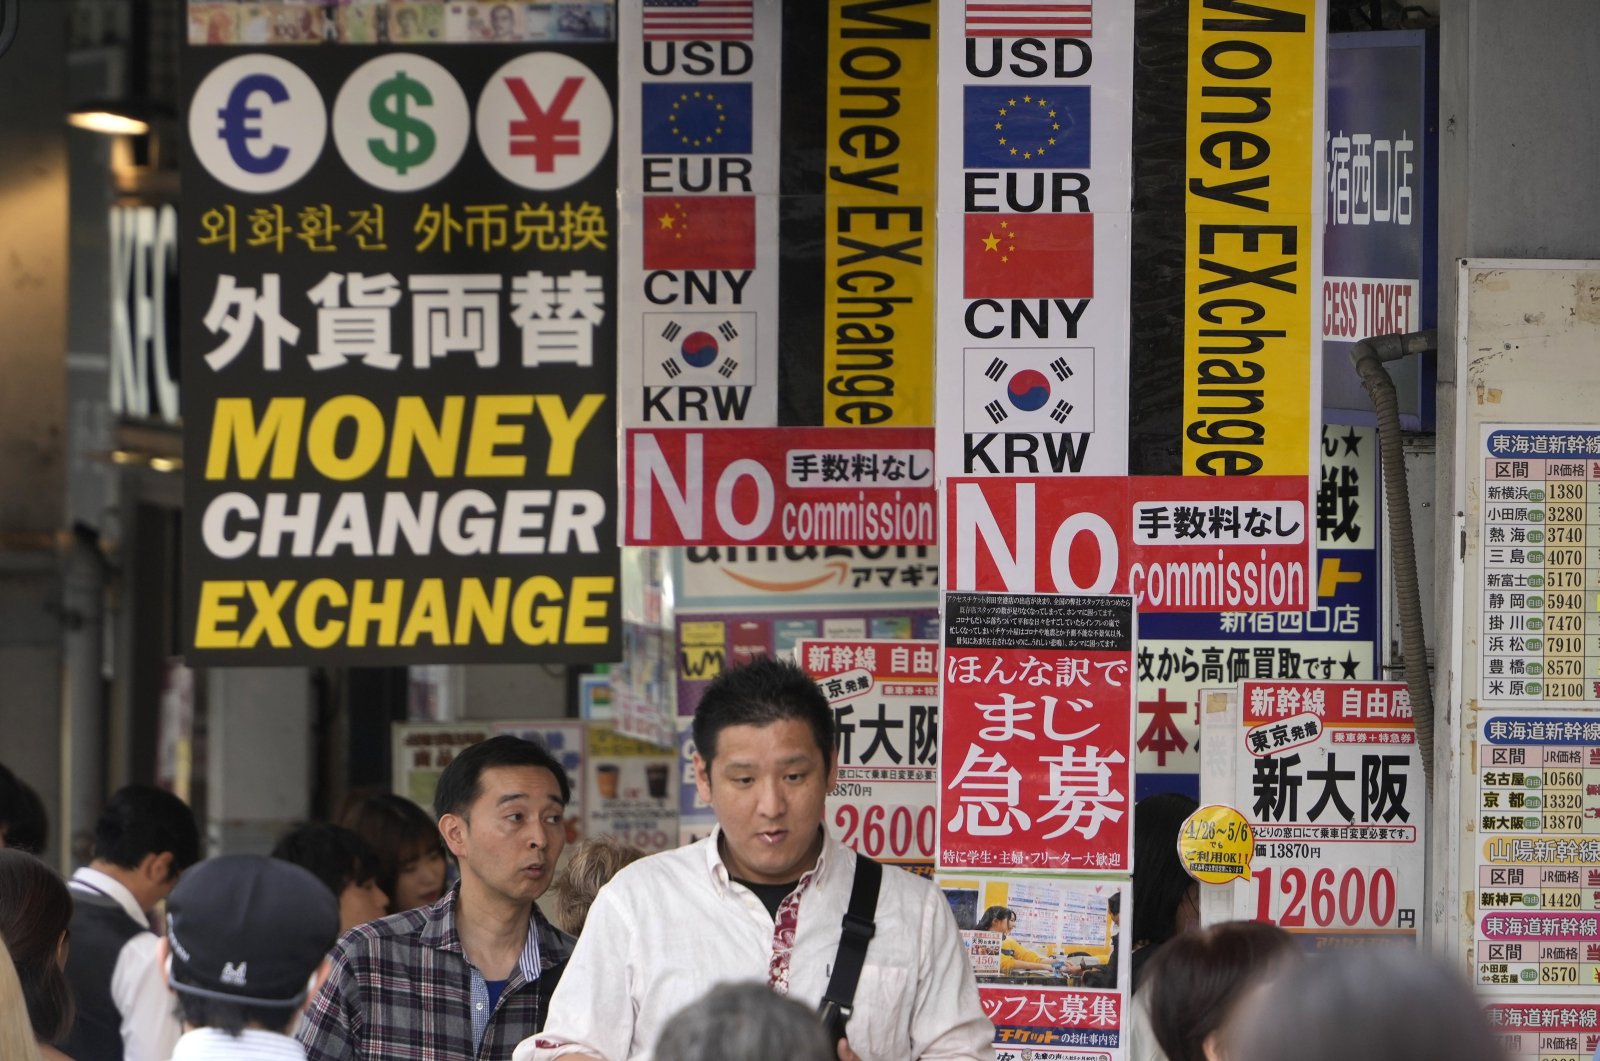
(402, 989)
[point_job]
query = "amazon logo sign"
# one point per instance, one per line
(897, 574)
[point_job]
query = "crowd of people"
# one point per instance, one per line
(400, 934)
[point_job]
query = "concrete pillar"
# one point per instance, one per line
(258, 756)
(33, 345)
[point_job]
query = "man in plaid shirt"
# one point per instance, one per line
(471, 975)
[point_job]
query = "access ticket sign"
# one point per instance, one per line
(399, 342)
(1036, 742)
(1173, 544)
(790, 486)
(885, 698)
(1330, 776)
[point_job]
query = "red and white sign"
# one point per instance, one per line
(1174, 544)
(1344, 703)
(885, 697)
(1333, 786)
(1036, 742)
(789, 486)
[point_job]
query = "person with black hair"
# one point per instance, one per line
(1166, 903)
(344, 862)
(1197, 984)
(23, 822)
(143, 841)
(247, 942)
(472, 974)
(1166, 900)
(763, 899)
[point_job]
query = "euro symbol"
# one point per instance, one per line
(541, 133)
(389, 104)
(237, 128)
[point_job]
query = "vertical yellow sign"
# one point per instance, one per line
(882, 162)
(1252, 372)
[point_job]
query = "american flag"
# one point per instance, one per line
(698, 20)
(1027, 18)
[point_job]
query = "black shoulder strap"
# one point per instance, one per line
(857, 932)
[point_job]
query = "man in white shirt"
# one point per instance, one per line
(763, 899)
(144, 839)
(247, 944)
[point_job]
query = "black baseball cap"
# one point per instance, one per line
(249, 929)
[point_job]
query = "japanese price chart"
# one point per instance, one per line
(1538, 886)
(1541, 565)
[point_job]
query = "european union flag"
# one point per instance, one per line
(1027, 127)
(699, 118)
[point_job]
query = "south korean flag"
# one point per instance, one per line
(1029, 391)
(700, 349)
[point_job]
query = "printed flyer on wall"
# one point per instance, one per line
(1047, 955)
(885, 697)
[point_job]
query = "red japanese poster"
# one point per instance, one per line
(885, 697)
(1036, 746)
(1174, 544)
(790, 486)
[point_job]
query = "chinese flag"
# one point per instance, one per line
(699, 232)
(1029, 256)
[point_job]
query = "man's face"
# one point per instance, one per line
(768, 786)
(500, 21)
(510, 838)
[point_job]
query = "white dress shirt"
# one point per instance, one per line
(670, 927)
(150, 1027)
(252, 1044)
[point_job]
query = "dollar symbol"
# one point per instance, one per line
(413, 139)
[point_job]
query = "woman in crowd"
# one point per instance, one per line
(1166, 900)
(1166, 903)
(1200, 980)
(344, 862)
(411, 867)
(1372, 1003)
(16, 1031)
(35, 910)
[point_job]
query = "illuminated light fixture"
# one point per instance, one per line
(135, 112)
(110, 119)
(165, 464)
